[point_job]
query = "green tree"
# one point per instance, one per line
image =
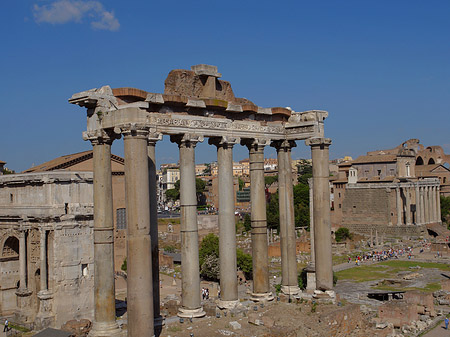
(342, 234)
(241, 184)
(124, 265)
(245, 263)
(209, 246)
(174, 193)
(247, 222)
(272, 212)
(269, 180)
(445, 210)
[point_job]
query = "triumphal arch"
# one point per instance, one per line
(196, 104)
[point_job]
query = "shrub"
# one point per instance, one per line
(342, 234)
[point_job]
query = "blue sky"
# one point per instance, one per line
(381, 68)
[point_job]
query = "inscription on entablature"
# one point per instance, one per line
(301, 129)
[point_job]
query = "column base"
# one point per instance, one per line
(221, 304)
(191, 313)
(45, 317)
(261, 297)
(290, 290)
(159, 321)
(311, 280)
(24, 312)
(326, 296)
(101, 329)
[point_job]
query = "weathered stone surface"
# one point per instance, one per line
(268, 321)
(235, 325)
(398, 313)
(79, 328)
(343, 320)
(422, 300)
(255, 318)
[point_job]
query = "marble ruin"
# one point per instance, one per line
(195, 104)
(46, 232)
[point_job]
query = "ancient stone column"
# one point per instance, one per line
(289, 283)
(139, 247)
(104, 288)
(22, 260)
(311, 267)
(190, 287)
(261, 288)
(438, 204)
(43, 253)
(422, 205)
(427, 205)
(417, 200)
(227, 226)
(399, 207)
(433, 204)
(408, 206)
(322, 222)
(152, 139)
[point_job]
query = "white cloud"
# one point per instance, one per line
(64, 11)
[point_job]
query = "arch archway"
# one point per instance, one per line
(11, 247)
(431, 161)
(419, 161)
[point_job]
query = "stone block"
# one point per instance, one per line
(210, 308)
(268, 321)
(398, 313)
(235, 325)
(343, 321)
(255, 318)
(445, 285)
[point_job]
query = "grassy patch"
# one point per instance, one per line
(405, 265)
(430, 287)
(363, 273)
(174, 328)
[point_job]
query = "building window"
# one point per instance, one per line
(11, 197)
(379, 172)
(339, 195)
(408, 170)
(121, 218)
(340, 206)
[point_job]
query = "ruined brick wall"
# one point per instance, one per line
(366, 206)
(398, 313)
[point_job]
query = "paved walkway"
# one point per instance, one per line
(438, 331)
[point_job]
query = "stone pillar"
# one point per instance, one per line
(289, 283)
(24, 313)
(139, 248)
(104, 287)
(408, 206)
(377, 243)
(261, 288)
(190, 287)
(427, 205)
(23, 261)
(422, 205)
(311, 267)
(152, 139)
(227, 227)
(417, 200)
(399, 207)
(438, 204)
(45, 315)
(322, 222)
(433, 204)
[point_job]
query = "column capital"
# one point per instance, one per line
(153, 137)
(100, 137)
(255, 143)
(318, 142)
(283, 144)
(225, 141)
(134, 130)
(186, 140)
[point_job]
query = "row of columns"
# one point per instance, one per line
(427, 200)
(142, 236)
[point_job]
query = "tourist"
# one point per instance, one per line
(6, 326)
(446, 323)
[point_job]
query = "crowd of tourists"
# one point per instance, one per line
(382, 255)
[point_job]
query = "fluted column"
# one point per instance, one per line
(289, 283)
(311, 267)
(427, 205)
(152, 139)
(417, 199)
(399, 207)
(322, 222)
(139, 248)
(104, 288)
(227, 227)
(261, 289)
(408, 206)
(190, 285)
